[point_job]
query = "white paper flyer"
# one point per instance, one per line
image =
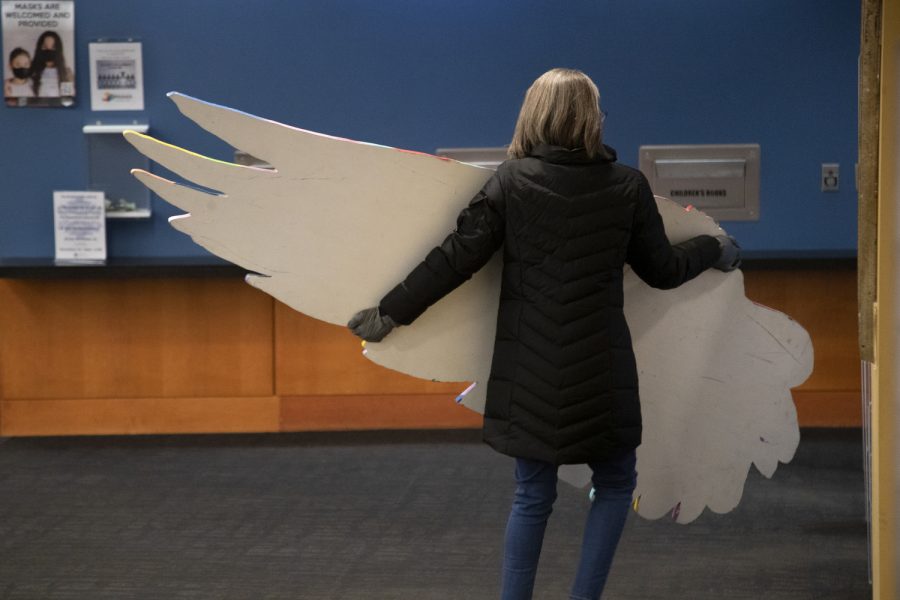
(80, 223)
(117, 76)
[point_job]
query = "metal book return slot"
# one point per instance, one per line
(721, 180)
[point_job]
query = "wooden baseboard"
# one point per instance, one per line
(123, 416)
(408, 411)
(138, 416)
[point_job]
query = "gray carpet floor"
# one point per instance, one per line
(392, 515)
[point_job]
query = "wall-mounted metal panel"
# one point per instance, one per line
(721, 180)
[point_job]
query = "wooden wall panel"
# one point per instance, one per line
(825, 408)
(193, 355)
(824, 302)
(313, 358)
(134, 338)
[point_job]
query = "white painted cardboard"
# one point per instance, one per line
(336, 224)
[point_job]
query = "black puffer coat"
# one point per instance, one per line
(563, 386)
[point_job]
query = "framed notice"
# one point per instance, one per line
(80, 224)
(117, 76)
(38, 52)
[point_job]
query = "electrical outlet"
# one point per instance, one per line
(831, 173)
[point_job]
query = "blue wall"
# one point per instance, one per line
(420, 75)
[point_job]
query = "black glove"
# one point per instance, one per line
(730, 257)
(370, 325)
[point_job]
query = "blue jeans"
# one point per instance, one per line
(614, 481)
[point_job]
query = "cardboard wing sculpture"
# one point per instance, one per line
(335, 224)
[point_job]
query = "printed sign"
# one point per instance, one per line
(80, 223)
(117, 76)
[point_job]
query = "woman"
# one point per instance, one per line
(563, 387)
(51, 77)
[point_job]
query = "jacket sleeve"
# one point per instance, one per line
(661, 264)
(479, 232)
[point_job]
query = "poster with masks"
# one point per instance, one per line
(39, 52)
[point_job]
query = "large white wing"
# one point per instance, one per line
(332, 228)
(336, 223)
(715, 374)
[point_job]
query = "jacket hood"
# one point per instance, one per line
(568, 156)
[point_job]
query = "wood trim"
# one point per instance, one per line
(867, 173)
(885, 422)
(80, 416)
(84, 416)
(815, 408)
(338, 413)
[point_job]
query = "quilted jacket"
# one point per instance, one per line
(563, 386)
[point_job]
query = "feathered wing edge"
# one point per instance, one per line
(364, 209)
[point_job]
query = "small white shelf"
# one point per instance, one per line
(131, 214)
(101, 128)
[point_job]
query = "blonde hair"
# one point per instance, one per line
(561, 108)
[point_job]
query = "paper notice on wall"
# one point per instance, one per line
(117, 76)
(38, 52)
(80, 224)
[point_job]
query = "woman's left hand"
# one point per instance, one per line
(371, 325)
